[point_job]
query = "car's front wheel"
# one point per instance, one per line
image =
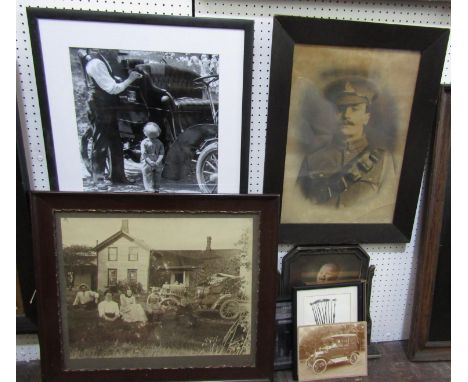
(207, 169)
(229, 310)
(353, 358)
(319, 366)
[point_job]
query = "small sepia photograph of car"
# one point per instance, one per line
(135, 292)
(332, 351)
(146, 121)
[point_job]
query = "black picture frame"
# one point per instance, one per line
(361, 308)
(46, 209)
(309, 259)
(35, 15)
(283, 338)
(430, 43)
(26, 322)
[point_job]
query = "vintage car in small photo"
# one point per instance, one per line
(334, 349)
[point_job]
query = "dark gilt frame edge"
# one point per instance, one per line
(35, 14)
(419, 347)
(362, 313)
(43, 206)
(431, 43)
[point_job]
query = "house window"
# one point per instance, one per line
(132, 276)
(112, 254)
(111, 277)
(133, 254)
(178, 277)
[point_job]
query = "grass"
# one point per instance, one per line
(174, 335)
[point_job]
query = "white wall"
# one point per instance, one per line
(392, 294)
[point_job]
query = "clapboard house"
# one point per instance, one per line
(123, 257)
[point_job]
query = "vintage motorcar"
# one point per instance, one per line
(334, 349)
(184, 105)
(221, 293)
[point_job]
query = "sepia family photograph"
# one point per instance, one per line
(146, 121)
(332, 351)
(348, 123)
(149, 290)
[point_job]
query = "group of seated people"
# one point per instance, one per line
(129, 310)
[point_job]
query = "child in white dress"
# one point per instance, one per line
(152, 154)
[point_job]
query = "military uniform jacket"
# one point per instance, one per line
(344, 174)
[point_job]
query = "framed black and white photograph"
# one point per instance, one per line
(162, 288)
(327, 304)
(138, 106)
(347, 134)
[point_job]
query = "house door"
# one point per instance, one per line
(132, 276)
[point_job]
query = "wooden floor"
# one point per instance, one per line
(393, 366)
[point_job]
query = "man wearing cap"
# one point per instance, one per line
(103, 73)
(348, 169)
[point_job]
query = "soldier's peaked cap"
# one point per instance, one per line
(351, 91)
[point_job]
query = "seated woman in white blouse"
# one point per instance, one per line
(108, 309)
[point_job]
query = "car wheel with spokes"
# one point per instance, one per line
(319, 366)
(353, 358)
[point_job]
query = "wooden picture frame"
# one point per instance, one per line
(432, 294)
(196, 90)
(321, 69)
(245, 225)
(331, 303)
(283, 339)
(301, 266)
(26, 314)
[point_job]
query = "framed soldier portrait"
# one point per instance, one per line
(350, 115)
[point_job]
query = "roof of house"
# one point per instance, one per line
(82, 261)
(117, 236)
(172, 259)
(183, 258)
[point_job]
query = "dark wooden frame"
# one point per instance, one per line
(420, 348)
(27, 322)
(314, 252)
(36, 14)
(430, 42)
(283, 322)
(361, 297)
(43, 206)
